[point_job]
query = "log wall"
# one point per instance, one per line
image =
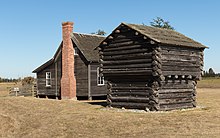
(146, 75)
(128, 66)
(182, 61)
(177, 93)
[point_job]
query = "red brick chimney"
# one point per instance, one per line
(68, 81)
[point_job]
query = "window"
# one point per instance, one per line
(100, 79)
(76, 51)
(48, 79)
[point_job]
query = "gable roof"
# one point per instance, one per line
(164, 36)
(43, 66)
(87, 43)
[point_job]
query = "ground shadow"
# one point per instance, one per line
(101, 103)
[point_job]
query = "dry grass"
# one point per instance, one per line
(209, 83)
(30, 117)
(4, 88)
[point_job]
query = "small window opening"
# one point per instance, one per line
(100, 79)
(76, 51)
(48, 79)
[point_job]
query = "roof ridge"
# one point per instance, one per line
(88, 34)
(137, 27)
(140, 31)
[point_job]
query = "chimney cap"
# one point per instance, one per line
(67, 23)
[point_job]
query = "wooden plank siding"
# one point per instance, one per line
(41, 81)
(58, 69)
(81, 74)
(95, 89)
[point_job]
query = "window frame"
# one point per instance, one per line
(76, 51)
(48, 79)
(100, 79)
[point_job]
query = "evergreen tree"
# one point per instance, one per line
(161, 23)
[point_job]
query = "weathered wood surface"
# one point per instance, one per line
(41, 81)
(81, 74)
(143, 74)
(96, 90)
(182, 61)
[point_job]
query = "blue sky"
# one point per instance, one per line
(30, 30)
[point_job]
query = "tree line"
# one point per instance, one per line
(24, 81)
(210, 73)
(9, 80)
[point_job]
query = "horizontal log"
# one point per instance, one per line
(128, 57)
(127, 77)
(175, 95)
(116, 40)
(129, 99)
(182, 66)
(149, 66)
(126, 43)
(168, 62)
(124, 52)
(180, 58)
(194, 68)
(181, 54)
(134, 61)
(137, 76)
(175, 100)
(167, 107)
(180, 50)
(130, 105)
(131, 88)
(131, 82)
(177, 86)
(194, 74)
(125, 47)
(127, 35)
(133, 93)
(164, 91)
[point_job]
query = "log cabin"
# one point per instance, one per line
(150, 68)
(73, 72)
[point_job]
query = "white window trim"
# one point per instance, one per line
(48, 79)
(100, 79)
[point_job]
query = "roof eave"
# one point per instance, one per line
(43, 66)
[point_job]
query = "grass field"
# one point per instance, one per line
(4, 88)
(31, 117)
(209, 83)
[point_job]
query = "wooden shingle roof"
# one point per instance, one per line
(165, 36)
(87, 43)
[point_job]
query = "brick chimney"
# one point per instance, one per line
(68, 81)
